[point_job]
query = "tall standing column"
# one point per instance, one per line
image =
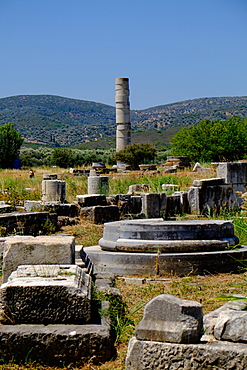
(123, 136)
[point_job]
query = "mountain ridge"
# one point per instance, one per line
(56, 120)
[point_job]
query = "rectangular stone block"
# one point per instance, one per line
(100, 214)
(218, 355)
(209, 182)
(91, 200)
(173, 206)
(233, 172)
(46, 294)
(58, 249)
(151, 205)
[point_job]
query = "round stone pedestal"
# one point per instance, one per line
(158, 247)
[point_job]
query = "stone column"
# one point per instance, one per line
(53, 191)
(123, 136)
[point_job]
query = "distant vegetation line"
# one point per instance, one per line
(57, 121)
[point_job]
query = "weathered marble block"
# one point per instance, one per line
(46, 294)
(57, 249)
(170, 319)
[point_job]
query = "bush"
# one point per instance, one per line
(136, 154)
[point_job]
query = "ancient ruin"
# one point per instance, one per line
(171, 334)
(158, 247)
(123, 136)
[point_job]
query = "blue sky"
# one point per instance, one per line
(171, 50)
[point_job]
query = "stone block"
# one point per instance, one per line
(91, 200)
(58, 249)
(170, 319)
(143, 355)
(27, 223)
(64, 209)
(33, 205)
(58, 345)
(173, 205)
(211, 318)
(46, 294)
(100, 214)
(207, 199)
(231, 326)
(233, 172)
(151, 205)
(136, 204)
(209, 182)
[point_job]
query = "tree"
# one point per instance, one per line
(10, 143)
(212, 141)
(62, 157)
(136, 154)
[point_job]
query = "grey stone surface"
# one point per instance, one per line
(170, 319)
(210, 319)
(46, 294)
(143, 355)
(138, 188)
(209, 182)
(100, 214)
(151, 205)
(58, 249)
(98, 185)
(33, 205)
(211, 198)
(123, 263)
(123, 134)
(156, 230)
(58, 345)
(231, 326)
(27, 223)
(233, 172)
(53, 191)
(90, 200)
(173, 205)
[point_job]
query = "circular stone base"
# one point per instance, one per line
(180, 264)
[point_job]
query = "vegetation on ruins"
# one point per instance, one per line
(15, 186)
(136, 154)
(10, 143)
(213, 140)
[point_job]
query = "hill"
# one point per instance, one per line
(54, 120)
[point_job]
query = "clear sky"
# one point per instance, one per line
(171, 50)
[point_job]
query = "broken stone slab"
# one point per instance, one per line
(209, 182)
(56, 249)
(171, 319)
(100, 214)
(231, 326)
(46, 294)
(58, 345)
(90, 200)
(215, 355)
(211, 318)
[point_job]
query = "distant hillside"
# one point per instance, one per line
(54, 120)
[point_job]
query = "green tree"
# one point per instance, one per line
(62, 157)
(212, 141)
(136, 154)
(10, 143)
